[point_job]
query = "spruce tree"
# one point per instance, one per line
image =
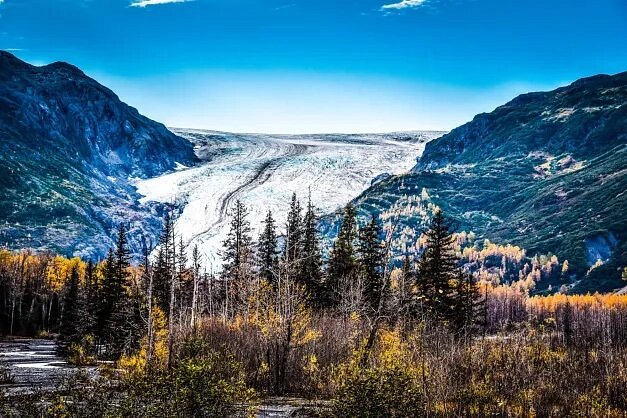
(91, 298)
(237, 246)
(268, 252)
(293, 238)
(181, 258)
(310, 268)
(438, 270)
(70, 329)
(122, 257)
(161, 282)
(567, 321)
(148, 281)
(119, 311)
(237, 256)
(164, 266)
(408, 277)
(371, 259)
(342, 263)
(183, 282)
(195, 285)
(466, 304)
(108, 294)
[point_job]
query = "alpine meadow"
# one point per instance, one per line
(313, 209)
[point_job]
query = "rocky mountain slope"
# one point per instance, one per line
(546, 171)
(68, 147)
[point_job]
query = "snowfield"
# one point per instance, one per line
(264, 170)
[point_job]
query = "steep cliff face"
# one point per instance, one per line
(546, 171)
(59, 108)
(68, 147)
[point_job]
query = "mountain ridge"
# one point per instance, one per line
(69, 147)
(545, 171)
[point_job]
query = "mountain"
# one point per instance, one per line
(68, 151)
(546, 171)
(75, 162)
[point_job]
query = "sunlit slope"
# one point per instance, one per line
(68, 147)
(547, 171)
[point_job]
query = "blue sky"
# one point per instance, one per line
(320, 65)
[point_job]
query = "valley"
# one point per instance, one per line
(264, 170)
(353, 209)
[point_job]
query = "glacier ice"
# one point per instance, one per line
(264, 170)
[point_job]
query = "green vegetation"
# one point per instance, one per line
(365, 337)
(198, 387)
(546, 172)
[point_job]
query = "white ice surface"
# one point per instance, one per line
(264, 170)
(41, 365)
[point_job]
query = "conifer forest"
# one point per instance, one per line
(348, 330)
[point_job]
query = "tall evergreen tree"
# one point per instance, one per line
(122, 257)
(371, 259)
(342, 263)
(183, 283)
(108, 293)
(148, 281)
(268, 250)
(237, 246)
(237, 256)
(195, 283)
(438, 269)
(181, 258)
(118, 313)
(293, 238)
(91, 298)
(310, 268)
(164, 266)
(70, 329)
(466, 304)
(408, 277)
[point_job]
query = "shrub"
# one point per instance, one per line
(212, 386)
(82, 353)
(389, 386)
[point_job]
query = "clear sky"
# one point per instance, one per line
(320, 65)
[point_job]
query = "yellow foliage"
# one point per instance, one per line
(390, 352)
(552, 303)
(136, 363)
(276, 312)
(60, 268)
(354, 317)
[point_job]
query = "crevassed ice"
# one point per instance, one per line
(264, 170)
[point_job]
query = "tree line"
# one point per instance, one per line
(292, 317)
(110, 306)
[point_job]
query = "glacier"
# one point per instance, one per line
(264, 170)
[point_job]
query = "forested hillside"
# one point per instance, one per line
(546, 171)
